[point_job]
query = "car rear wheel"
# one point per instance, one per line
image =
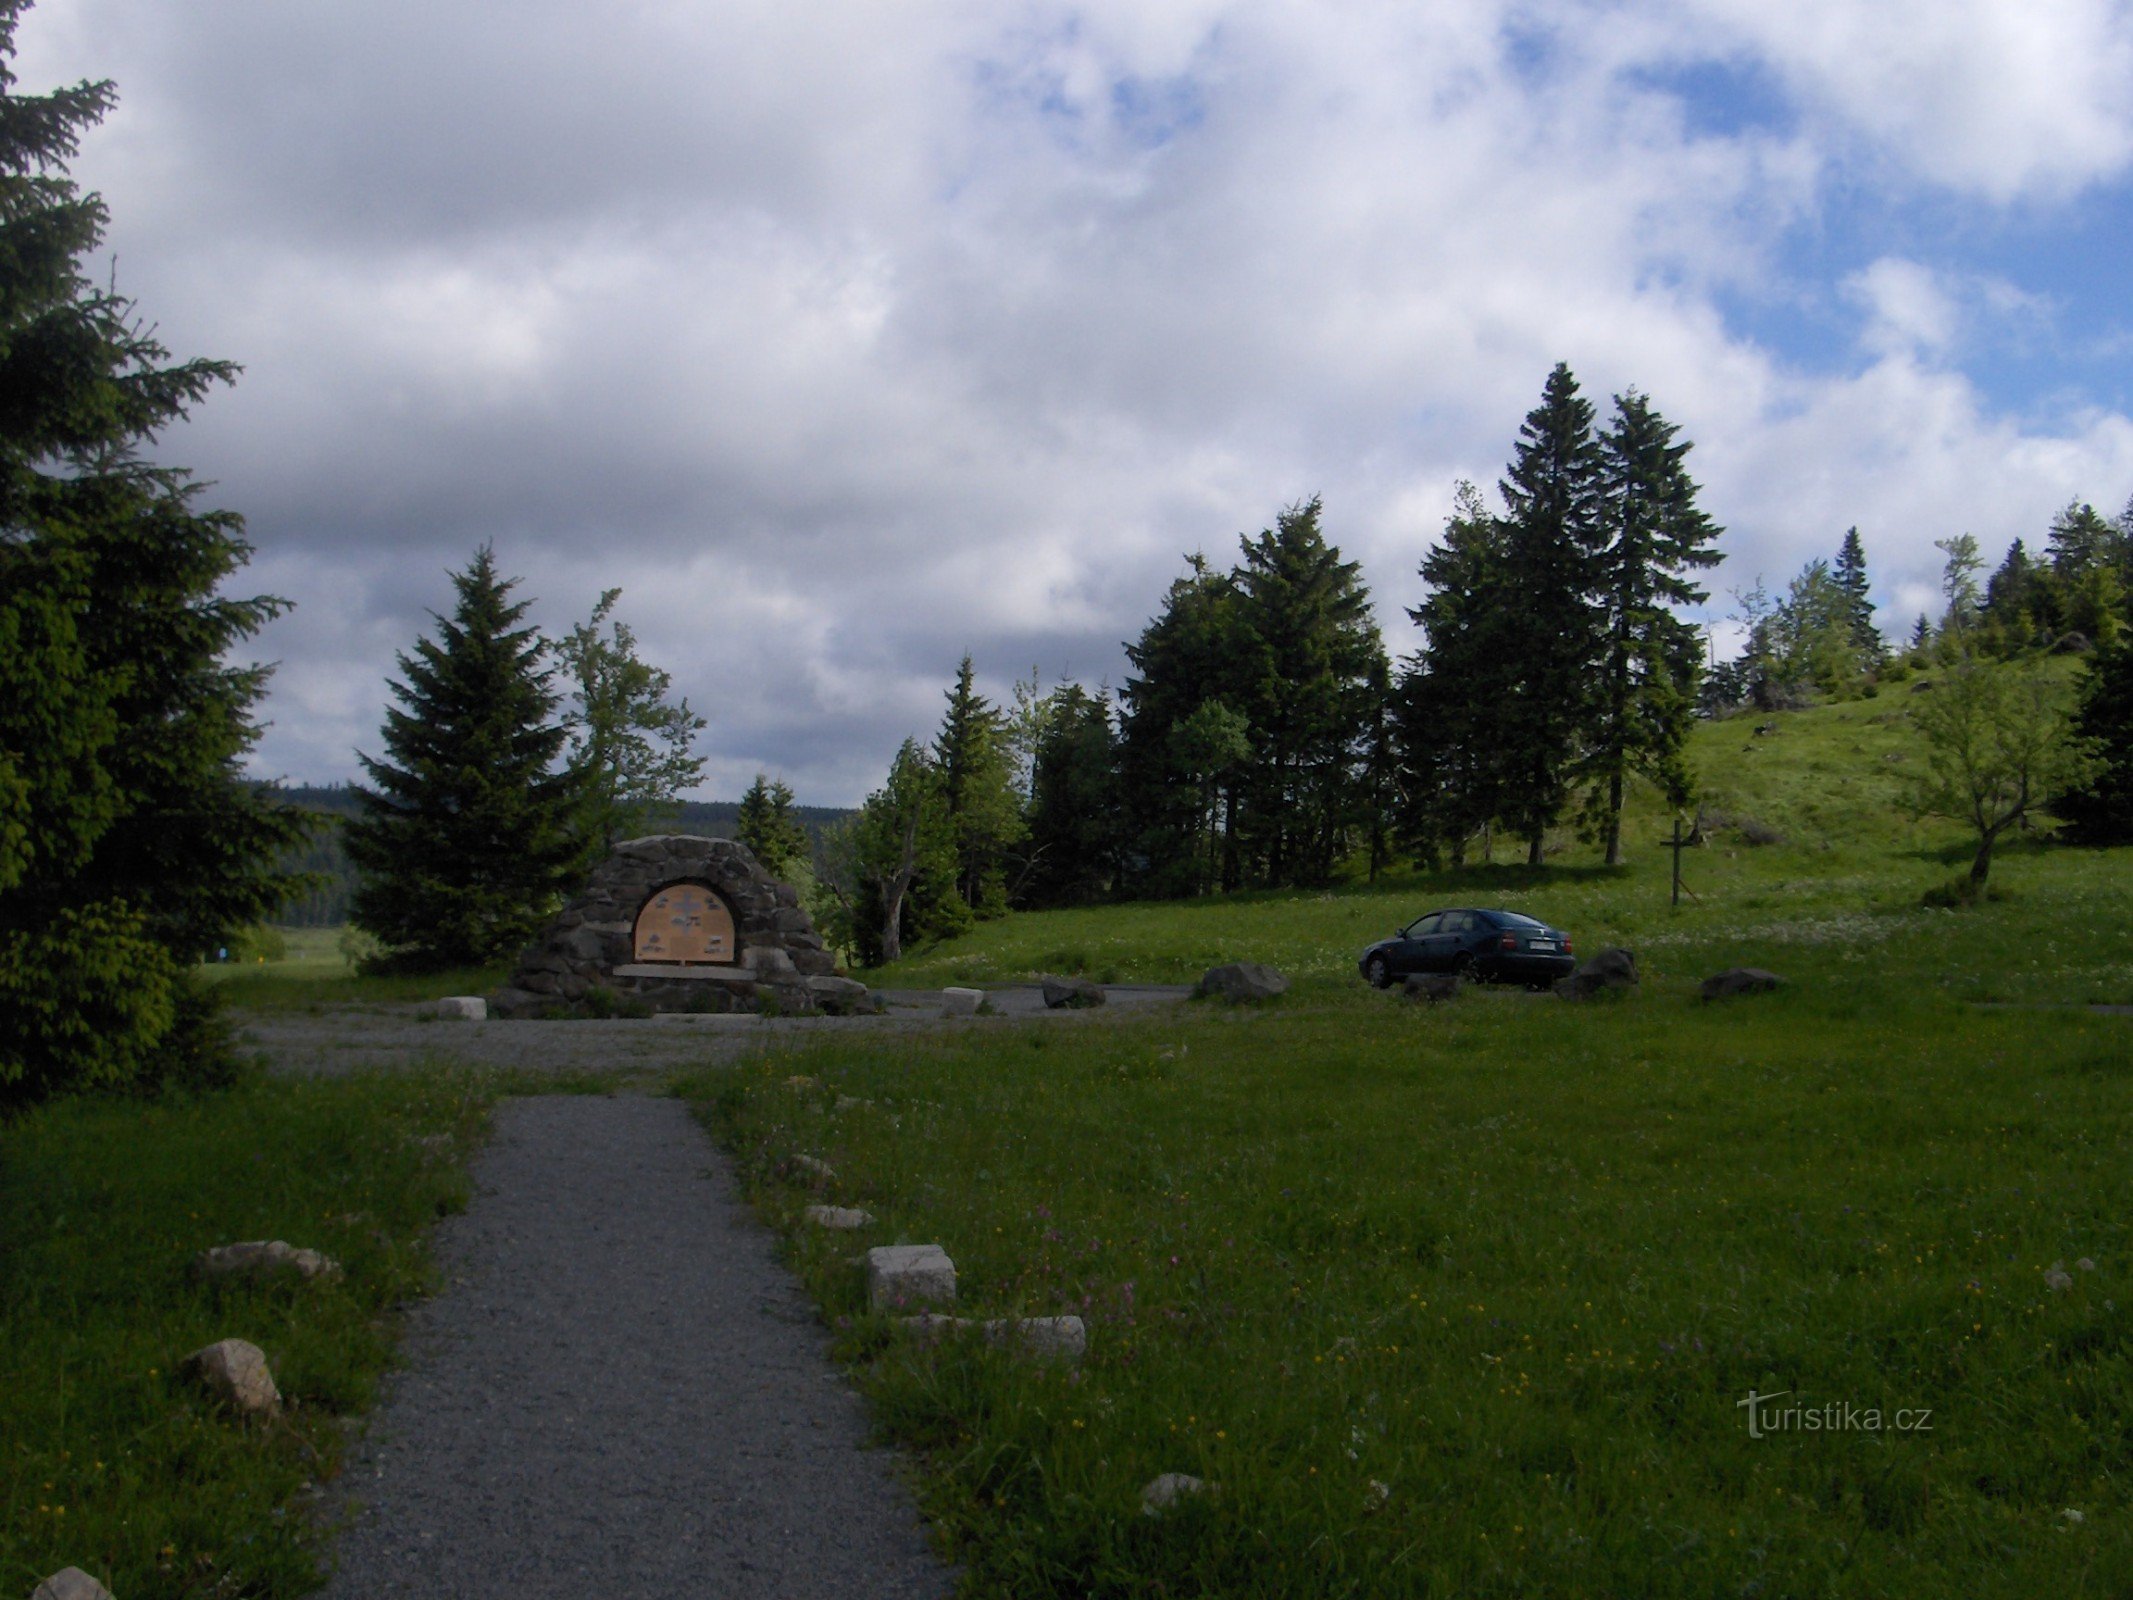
(1376, 973)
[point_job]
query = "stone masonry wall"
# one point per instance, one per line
(783, 962)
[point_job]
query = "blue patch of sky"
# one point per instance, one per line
(2072, 349)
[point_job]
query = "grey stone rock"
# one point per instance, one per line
(264, 1258)
(909, 1274)
(767, 958)
(1070, 993)
(1612, 971)
(463, 1007)
(235, 1372)
(816, 1168)
(1432, 986)
(839, 1219)
(513, 1003)
(961, 1002)
(813, 963)
(1063, 1339)
(70, 1583)
(586, 944)
(1739, 980)
(1242, 980)
(1167, 1490)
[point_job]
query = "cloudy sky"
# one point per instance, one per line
(847, 338)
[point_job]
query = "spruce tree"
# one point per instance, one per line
(1850, 573)
(1310, 644)
(1194, 651)
(768, 828)
(130, 842)
(978, 786)
(1452, 769)
(471, 835)
(2099, 809)
(1074, 817)
(1646, 694)
(1552, 534)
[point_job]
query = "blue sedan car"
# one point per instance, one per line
(1486, 945)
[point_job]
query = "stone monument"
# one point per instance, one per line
(680, 923)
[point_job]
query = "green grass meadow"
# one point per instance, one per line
(1445, 1301)
(108, 1461)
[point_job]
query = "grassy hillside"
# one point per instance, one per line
(1833, 896)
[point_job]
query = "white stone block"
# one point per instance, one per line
(909, 1274)
(961, 1002)
(464, 1008)
(70, 1583)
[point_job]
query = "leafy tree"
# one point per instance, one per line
(902, 840)
(629, 745)
(1958, 581)
(472, 832)
(129, 841)
(768, 828)
(1310, 646)
(1192, 652)
(1552, 532)
(1074, 820)
(1997, 748)
(2098, 806)
(1647, 690)
(978, 786)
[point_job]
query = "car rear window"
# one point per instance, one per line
(1513, 919)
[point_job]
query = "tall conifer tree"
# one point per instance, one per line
(978, 786)
(130, 842)
(1656, 534)
(1552, 535)
(471, 834)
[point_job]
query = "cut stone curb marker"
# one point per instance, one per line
(1057, 1338)
(840, 1218)
(904, 1274)
(70, 1583)
(263, 1258)
(464, 1008)
(961, 1002)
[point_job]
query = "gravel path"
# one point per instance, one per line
(620, 1393)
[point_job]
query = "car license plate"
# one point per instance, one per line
(1542, 944)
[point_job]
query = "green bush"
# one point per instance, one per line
(86, 1001)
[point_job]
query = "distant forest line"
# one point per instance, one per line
(331, 878)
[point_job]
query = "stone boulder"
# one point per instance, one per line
(1048, 1338)
(70, 1583)
(263, 1258)
(1168, 1490)
(1432, 986)
(1612, 971)
(961, 1002)
(1241, 981)
(235, 1373)
(1070, 994)
(463, 1008)
(1739, 980)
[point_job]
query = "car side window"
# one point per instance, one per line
(1426, 925)
(1459, 922)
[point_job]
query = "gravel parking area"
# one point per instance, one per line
(355, 1038)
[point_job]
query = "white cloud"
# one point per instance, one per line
(846, 338)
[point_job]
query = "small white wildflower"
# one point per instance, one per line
(2072, 1518)
(1375, 1496)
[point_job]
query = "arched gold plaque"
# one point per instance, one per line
(686, 924)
